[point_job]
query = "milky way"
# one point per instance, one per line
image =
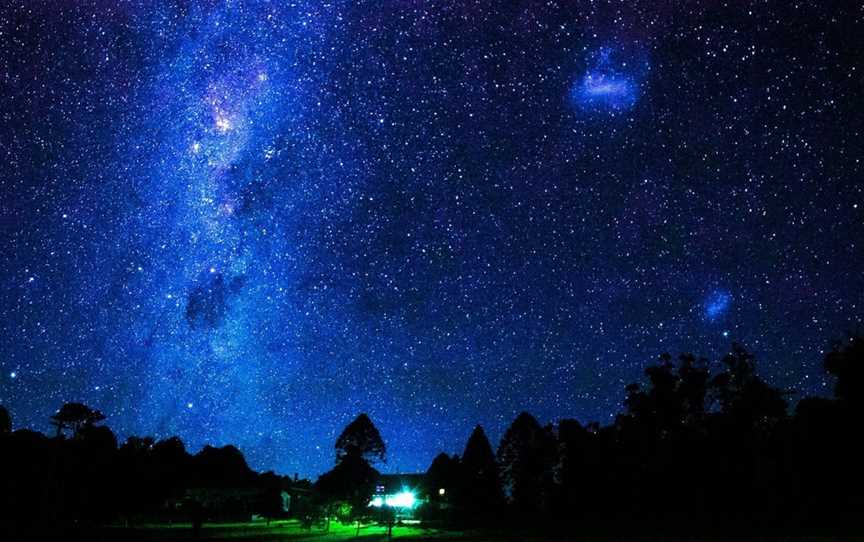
(246, 222)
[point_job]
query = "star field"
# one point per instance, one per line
(246, 222)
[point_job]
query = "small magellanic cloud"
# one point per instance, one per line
(716, 305)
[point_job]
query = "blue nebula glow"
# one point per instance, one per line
(716, 305)
(609, 84)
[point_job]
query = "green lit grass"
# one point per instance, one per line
(276, 531)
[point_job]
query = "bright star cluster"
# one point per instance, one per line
(717, 304)
(247, 221)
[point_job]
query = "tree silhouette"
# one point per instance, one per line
(743, 395)
(90, 459)
(361, 437)
(526, 459)
(746, 437)
(584, 466)
(846, 363)
(480, 493)
(692, 389)
(29, 484)
(352, 480)
(443, 473)
(172, 466)
(826, 444)
(75, 416)
(98, 436)
(137, 491)
(221, 467)
(442, 482)
(675, 398)
(5, 421)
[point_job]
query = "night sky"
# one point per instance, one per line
(247, 222)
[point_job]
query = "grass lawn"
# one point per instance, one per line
(291, 530)
(277, 531)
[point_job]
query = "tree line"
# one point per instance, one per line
(80, 476)
(695, 449)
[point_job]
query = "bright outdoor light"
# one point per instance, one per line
(405, 499)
